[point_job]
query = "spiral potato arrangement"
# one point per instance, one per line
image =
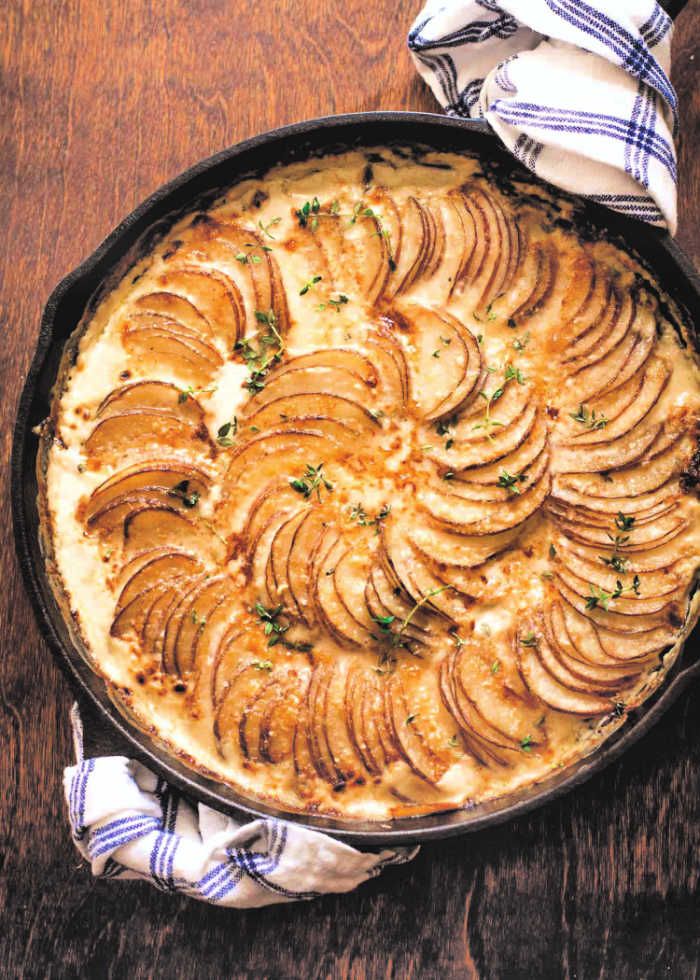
(383, 474)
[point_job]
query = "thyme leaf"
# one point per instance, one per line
(182, 492)
(265, 229)
(309, 285)
(510, 481)
(311, 482)
(589, 419)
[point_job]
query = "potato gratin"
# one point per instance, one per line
(371, 487)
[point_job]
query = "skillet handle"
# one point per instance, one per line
(672, 7)
(99, 737)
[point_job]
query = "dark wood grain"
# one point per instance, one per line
(100, 102)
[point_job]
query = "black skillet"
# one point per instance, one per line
(64, 310)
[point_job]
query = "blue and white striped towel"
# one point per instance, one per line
(129, 824)
(578, 90)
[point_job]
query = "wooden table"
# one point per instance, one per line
(100, 103)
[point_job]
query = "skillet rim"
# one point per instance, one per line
(78, 287)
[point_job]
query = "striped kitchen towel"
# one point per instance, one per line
(130, 824)
(578, 90)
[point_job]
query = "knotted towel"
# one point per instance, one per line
(578, 90)
(130, 824)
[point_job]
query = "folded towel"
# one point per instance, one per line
(578, 90)
(130, 824)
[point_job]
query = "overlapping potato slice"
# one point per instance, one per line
(270, 460)
(493, 246)
(422, 245)
(415, 721)
(534, 289)
(495, 426)
(159, 395)
(240, 260)
(622, 350)
(145, 578)
(201, 300)
(514, 504)
(387, 352)
(257, 713)
(158, 342)
(358, 248)
(444, 362)
(550, 681)
(148, 481)
(141, 418)
(485, 695)
(339, 597)
(157, 525)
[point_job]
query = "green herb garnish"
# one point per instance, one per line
(359, 514)
(334, 304)
(265, 229)
(529, 640)
(624, 524)
(274, 630)
(190, 392)
(312, 482)
(307, 209)
(260, 359)
(600, 598)
(182, 492)
(589, 419)
(509, 481)
(227, 432)
(309, 285)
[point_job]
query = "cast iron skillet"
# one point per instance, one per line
(197, 187)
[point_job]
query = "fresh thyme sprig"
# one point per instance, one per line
(308, 209)
(530, 639)
(227, 433)
(360, 210)
(520, 344)
(616, 561)
(360, 515)
(189, 498)
(309, 285)
(275, 631)
(248, 258)
(396, 637)
(514, 374)
(260, 359)
(311, 482)
(589, 419)
(487, 423)
(490, 315)
(444, 428)
(190, 392)
(334, 304)
(265, 229)
(599, 597)
(510, 481)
